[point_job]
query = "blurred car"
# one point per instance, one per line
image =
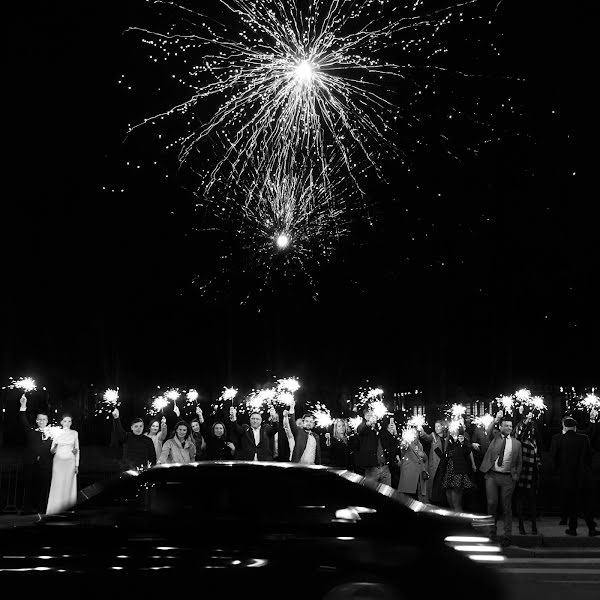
(235, 529)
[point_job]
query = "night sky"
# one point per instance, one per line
(480, 272)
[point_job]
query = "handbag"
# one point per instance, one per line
(424, 474)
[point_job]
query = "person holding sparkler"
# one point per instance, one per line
(528, 484)
(377, 447)
(37, 461)
(340, 453)
(254, 439)
(180, 447)
(414, 460)
(307, 443)
(65, 466)
(157, 432)
(502, 466)
(138, 449)
(197, 435)
(457, 476)
(438, 439)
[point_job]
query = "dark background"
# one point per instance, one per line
(481, 273)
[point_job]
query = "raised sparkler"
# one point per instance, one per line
(417, 421)
(483, 421)
(110, 401)
(322, 415)
(27, 384)
(591, 402)
(159, 404)
(289, 77)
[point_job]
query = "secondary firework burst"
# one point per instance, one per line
(275, 227)
(291, 76)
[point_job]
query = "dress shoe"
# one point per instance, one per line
(594, 532)
(506, 541)
(571, 531)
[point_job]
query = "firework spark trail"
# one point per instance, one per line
(299, 79)
(281, 223)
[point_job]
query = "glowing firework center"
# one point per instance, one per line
(282, 241)
(304, 72)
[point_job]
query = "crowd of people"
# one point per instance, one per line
(449, 466)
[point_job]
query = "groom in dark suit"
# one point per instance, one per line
(37, 462)
(254, 440)
(307, 447)
(501, 467)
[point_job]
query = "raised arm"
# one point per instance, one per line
(292, 419)
(23, 413)
(117, 427)
(162, 436)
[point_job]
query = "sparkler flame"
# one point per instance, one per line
(229, 393)
(457, 410)
(416, 421)
(523, 395)
(454, 427)
(590, 402)
(379, 409)
(483, 421)
(111, 397)
(323, 418)
(289, 384)
(160, 403)
(354, 422)
(192, 395)
(507, 403)
(409, 435)
(172, 394)
(27, 384)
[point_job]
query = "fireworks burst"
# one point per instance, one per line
(291, 77)
(282, 224)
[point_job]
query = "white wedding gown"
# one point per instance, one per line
(63, 486)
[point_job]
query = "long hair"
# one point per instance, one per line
(188, 435)
(150, 425)
(343, 437)
(212, 431)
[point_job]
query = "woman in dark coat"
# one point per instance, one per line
(340, 455)
(459, 468)
(217, 446)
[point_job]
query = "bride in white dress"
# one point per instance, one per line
(63, 486)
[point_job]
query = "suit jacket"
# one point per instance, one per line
(572, 460)
(301, 438)
(368, 438)
(247, 447)
(493, 452)
(37, 450)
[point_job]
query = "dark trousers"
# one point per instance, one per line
(475, 499)
(526, 496)
(500, 484)
(573, 498)
(36, 487)
(395, 473)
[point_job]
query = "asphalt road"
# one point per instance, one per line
(552, 578)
